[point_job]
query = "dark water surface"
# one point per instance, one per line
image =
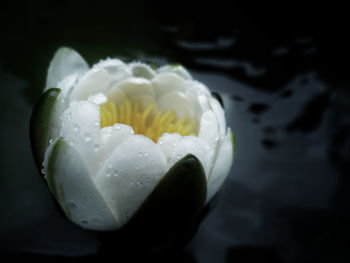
(282, 72)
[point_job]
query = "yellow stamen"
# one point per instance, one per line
(144, 121)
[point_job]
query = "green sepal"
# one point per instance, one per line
(170, 212)
(233, 141)
(40, 124)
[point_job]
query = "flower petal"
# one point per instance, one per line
(208, 129)
(220, 115)
(112, 137)
(177, 102)
(93, 82)
(66, 61)
(172, 208)
(177, 69)
(69, 180)
(81, 127)
(222, 166)
(167, 142)
(168, 82)
(192, 145)
(42, 125)
(142, 70)
(130, 175)
(116, 68)
(134, 87)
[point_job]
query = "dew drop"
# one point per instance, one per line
(115, 173)
(96, 147)
(50, 141)
(72, 205)
(140, 154)
(136, 167)
(174, 143)
(178, 156)
(87, 137)
(85, 222)
(160, 141)
(43, 171)
(146, 154)
(96, 123)
(76, 127)
(70, 116)
(117, 127)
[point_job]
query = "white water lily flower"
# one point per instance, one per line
(112, 137)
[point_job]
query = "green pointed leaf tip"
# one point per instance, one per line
(40, 124)
(173, 206)
(233, 141)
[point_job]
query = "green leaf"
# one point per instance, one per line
(172, 209)
(40, 124)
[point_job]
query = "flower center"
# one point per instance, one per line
(144, 121)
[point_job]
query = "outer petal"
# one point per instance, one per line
(69, 180)
(197, 147)
(167, 142)
(130, 175)
(220, 115)
(222, 165)
(81, 127)
(112, 137)
(208, 130)
(65, 62)
(93, 82)
(177, 69)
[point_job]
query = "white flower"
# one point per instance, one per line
(106, 136)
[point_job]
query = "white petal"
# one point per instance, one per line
(68, 177)
(81, 127)
(178, 102)
(167, 142)
(98, 98)
(112, 137)
(195, 146)
(177, 69)
(220, 115)
(134, 87)
(116, 68)
(94, 81)
(130, 175)
(66, 61)
(142, 70)
(208, 129)
(221, 167)
(168, 82)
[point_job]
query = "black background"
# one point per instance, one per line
(283, 72)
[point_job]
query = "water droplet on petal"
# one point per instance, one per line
(136, 167)
(178, 156)
(140, 154)
(96, 123)
(146, 154)
(174, 143)
(87, 137)
(117, 127)
(160, 141)
(50, 141)
(76, 127)
(43, 171)
(116, 173)
(96, 147)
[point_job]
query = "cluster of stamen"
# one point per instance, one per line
(147, 120)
